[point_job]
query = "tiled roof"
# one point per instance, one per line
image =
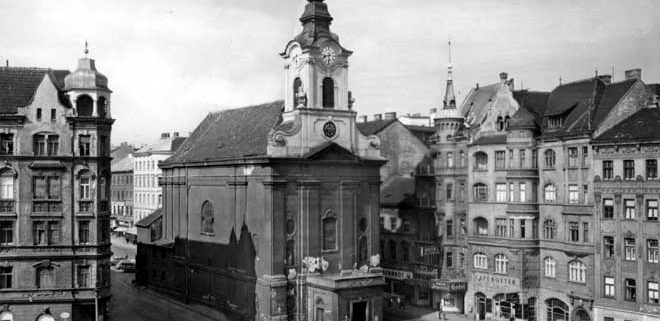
(230, 134)
(397, 190)
(534, 102)
(150, 219)
(644, 125)
(169, 144)
(490, 140)
(423, 133)
(124, 165)
(655, 88)
(523, 118)
(611, 97)
(476, 104)
(374, 127)
(18, 86)
(567, 96)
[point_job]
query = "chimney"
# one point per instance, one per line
(433, 111)
(477, 85)
(503, 77)
(164, 135)
(378, 117)
(362, 119)
(175, 134)
(607, 79)
(7, 63)
(390, 116)
(634, 74)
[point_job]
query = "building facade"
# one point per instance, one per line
(271, 211)
(122, 194)
(54, 214)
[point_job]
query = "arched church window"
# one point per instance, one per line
(207, 218)
(297, 84)
(84, 106)
(329, 233)
(101, 107)
(328, 93)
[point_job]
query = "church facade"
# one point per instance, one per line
(270, 212)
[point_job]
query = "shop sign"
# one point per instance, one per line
(439, 285)
(429, 250)
(397, 274)
(458, 287)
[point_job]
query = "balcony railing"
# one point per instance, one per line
(85, 206)
(46, 206)
(7, 206)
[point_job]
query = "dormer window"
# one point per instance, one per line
(555, 122)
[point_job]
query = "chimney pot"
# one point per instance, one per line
(477, 85)
(634, 74)
(362, 119)
(390, 116)
(378, 117)
(165, 135)
(504, 76)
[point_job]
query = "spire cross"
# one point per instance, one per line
(86, 49)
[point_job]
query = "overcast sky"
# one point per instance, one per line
(170, 62)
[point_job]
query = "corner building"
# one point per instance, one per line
(270, 212)
(54, 206)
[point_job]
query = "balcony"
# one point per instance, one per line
(7, 206)
(85, 206)
(47, 206)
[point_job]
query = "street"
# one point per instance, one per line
(129, 303)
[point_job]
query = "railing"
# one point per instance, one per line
(46, 206)
(85, 206)
(7, 206)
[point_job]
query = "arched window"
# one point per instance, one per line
(329, 233)
(500, 123)
(501, 263)
(297, 84)
(84, 106)
(405, 248)
(549, 230)
(6, 184)
(480, 261)
(577, 272)
(480, 192)
(550, 193)
(480, 226)
(101, 107)
(480, 161)
(328, 93)
(557, 310)
(392, 246)
(6, 316)
(550, 267)
(549, 158)
(208, 218)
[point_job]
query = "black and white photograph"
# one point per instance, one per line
(329, 160)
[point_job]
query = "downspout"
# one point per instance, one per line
(187, 244)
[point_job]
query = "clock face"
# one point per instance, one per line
(328, 55)
(329, 129)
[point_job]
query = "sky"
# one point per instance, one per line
(170, 63)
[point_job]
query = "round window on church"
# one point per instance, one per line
(329, 129)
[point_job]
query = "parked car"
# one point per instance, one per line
(126, 266)
(116, 259)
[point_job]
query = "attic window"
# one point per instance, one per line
(555, 122)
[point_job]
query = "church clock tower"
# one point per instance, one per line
(318, 103)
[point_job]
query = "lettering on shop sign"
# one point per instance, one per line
(458, 287)
(397, 274)
(429, 250)
(494, 279)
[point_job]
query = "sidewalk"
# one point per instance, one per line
(416, 313)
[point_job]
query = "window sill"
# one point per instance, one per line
(549, 169)
(577, 282)
(46, 214)
(8, 214)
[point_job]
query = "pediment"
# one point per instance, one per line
(331, 152)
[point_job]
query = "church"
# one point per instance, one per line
(271, 212)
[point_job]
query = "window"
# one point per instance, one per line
(572, 157)
(512, 223)
(500, 227)
(46, 232)
(652, 250)
(549, 229)
(512, 193)
(608, 170)
(6, 144)
(406, 225)
(549, 158)
(535, 157)
(574, 231)
(462, 156)
(629, 249)
(522, 228)
(83, 276)
(585, 232)
(608, 208)
(631, 290)
(5, 277)
(45, 277)
(550, 267)
(83, 232)
(329, 234)
(585, 156)
(481, 161)
(6, 232)
(628, 169)
(84, 143)
(550, 192)
(585, 193)
(652, 210)
(557, 310)
(450, 159)
(608, 246)
(461, 192)
(577, 272)
(609, 287)
(461, 227)
(392, 246)
(85, 185)
(535, 191)
(652, 291)
(297, 101)
(629, 209)
(40, 145)
(500, 192)
(38, 114)
(53, 144)
(53, 114)
(7, 185)
(500, 159)
(480, 261)
(450, 191)
(208, 218)
(450, 228)
(522, 191)
(405, 248)
(651, 169)
(500, 263)
(573, 194)
(450, 259)
(480, 226)
(521, 158)
(510, 158)
(328, 93)
(480, 192)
